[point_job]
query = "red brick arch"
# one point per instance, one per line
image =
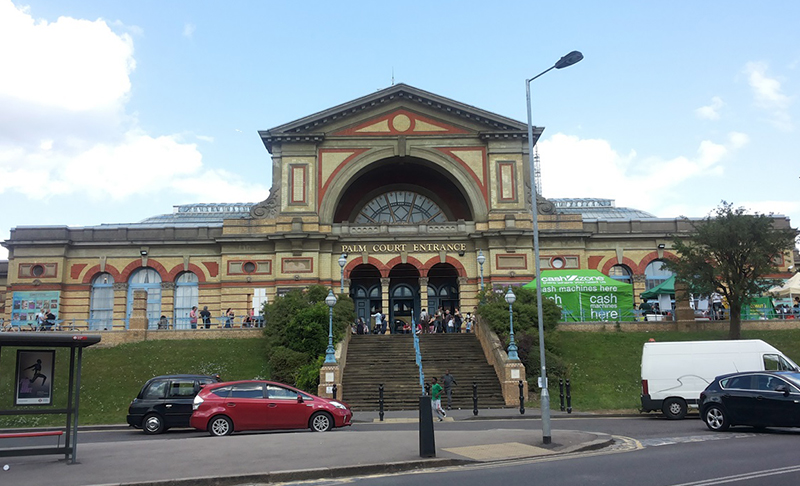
(423, 270)
(651, 257)
(452, 261)
(178, 269)
(137, 264)
(625, 261)
(95, 270)
(351, 265)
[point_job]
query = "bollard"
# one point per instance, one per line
(561, 392)
(427, 441)
(569, 399)
(334, 391)
(380, 401)
(474, 398)
(521, 399)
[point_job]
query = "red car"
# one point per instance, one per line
(222, 408)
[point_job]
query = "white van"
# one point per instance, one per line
(675, 373)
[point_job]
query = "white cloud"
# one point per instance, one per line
(710, 112)
(768, 95)
(572, 167)
(64, 125)
(188, 30)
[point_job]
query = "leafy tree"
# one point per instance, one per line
(494, 311)
(731, 252)
(296, 332)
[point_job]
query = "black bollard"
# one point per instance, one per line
(521, 399)
(380, 401)
(427, 442)
(569, 399)
(561, 392)
(334, 391)
(474, 398)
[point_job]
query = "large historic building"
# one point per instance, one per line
(405, 187)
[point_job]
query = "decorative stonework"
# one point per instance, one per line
(270, 207)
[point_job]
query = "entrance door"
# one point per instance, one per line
(402, 300)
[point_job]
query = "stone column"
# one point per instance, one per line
(684, 314)
(423, 294)
(514, 372)
(330, 374)
(385, 297)
(138, 320)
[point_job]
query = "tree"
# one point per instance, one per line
(731, 252)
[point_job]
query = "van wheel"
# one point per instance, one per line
(674, 408)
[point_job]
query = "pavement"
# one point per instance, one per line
(273, 457)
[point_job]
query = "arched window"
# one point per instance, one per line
(655, 274)
(149, 280)
(186, 296)
(101, 313)
(621, 273)
(400, 207)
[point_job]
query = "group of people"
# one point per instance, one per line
(45, 320)
(443, 321)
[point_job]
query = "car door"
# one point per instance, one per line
(178, 402)
(780, 408)
(246, 405)
(738, 397)
(285, 412)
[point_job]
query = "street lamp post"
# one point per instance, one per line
(330, 352)
(342, 263)
(512, 346)
(481, 261)
(565, 61)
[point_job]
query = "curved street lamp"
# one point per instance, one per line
(512, 346)
(342, 263)
(481, 261)
(330, 352)
(566, 61)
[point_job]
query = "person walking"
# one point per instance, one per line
(436, 399)
(448, 381)
(378, 321)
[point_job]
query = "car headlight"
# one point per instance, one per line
(337, 405)
(197, 401)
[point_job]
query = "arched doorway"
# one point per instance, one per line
(365, 290)
(404, 300)
(443, 288)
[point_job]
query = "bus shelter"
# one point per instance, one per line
(32, 379)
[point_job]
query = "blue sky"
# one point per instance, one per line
(114, 111)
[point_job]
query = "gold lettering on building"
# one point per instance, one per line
(401, 247)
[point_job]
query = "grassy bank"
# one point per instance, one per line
(605, 367)
(111, 377)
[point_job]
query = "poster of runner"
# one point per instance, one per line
(34, 384)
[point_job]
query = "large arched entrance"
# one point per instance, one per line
(404, 301)
(365, 289)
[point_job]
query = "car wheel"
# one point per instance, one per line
(220, 425)
(153, 424)
(716, 419)
(674, 408)
(321, 422)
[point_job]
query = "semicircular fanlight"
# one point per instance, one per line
(400, 207)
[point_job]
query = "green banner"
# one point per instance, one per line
(587, 295)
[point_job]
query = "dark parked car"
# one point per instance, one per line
(166, 401)
(756, 398)
(224, 408)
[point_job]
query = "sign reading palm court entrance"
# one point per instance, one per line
(587, 295)
(409, 247)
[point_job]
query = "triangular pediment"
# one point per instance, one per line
(398, 110)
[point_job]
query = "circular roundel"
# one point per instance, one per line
(400, 207)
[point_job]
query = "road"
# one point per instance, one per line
(650, 450)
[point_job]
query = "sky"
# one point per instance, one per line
(114, 111)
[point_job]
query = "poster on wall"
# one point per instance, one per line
(25, 305)
(34, 384)
(587, 295)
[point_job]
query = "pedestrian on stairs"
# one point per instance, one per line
(378, 321)
(449, 380)
(436, 399)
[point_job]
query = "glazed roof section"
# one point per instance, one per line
(213, 214)
(596, 208)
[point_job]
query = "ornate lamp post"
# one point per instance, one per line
(565, 61)
(512, 346)
(481, 261)
(342, 263)
(330, 352)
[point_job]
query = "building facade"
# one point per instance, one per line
(405, 187)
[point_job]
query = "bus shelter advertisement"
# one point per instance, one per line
(587, 295)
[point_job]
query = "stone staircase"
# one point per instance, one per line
(390, 359)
